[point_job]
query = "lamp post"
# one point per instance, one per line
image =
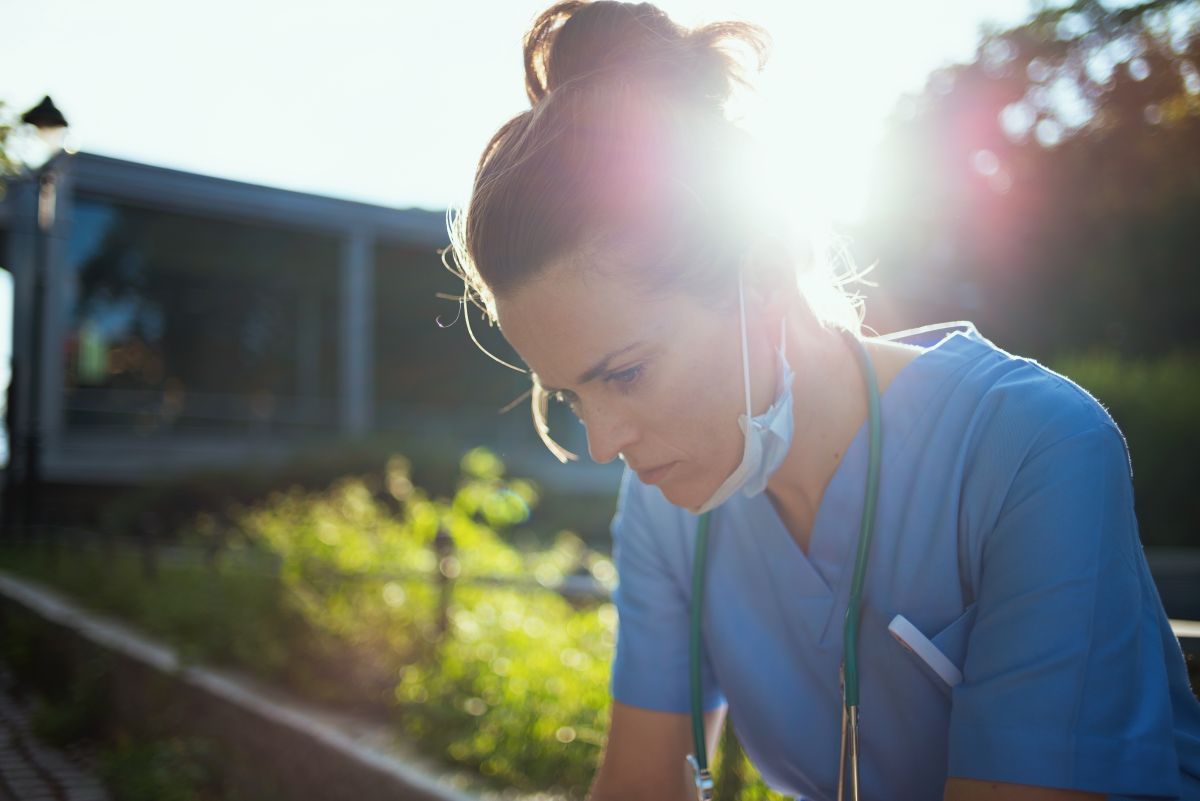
(51, 128)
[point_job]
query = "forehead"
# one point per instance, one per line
(571, 316)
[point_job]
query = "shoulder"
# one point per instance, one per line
(1026, 409)
(1040, 464)
(1010, 406)
(999, 431)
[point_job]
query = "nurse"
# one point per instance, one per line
(1010, 642)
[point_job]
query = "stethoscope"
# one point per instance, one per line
(849, 667)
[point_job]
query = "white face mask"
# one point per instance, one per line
(768, 436)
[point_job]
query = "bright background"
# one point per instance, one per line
(392, 102)
(1045, 187)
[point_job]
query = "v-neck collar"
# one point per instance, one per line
(811, 583)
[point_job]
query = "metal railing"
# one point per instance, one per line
(579, 586)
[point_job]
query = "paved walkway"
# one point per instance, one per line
(29, 771)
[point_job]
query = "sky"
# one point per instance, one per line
(392, 102)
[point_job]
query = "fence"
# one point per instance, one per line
(578, 587)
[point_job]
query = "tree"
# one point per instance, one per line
(1049, 188)
(8, 164)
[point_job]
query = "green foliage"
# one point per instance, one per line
(517, 686)
(173, 769)
(228, 613)
(163, 508)
(1154, 403)
(1048, 189)
(518, 690)
(350, 595)
(735, 776)
(8, 123)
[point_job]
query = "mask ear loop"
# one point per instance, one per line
(745, 350)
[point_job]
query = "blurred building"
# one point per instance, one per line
(189, 321)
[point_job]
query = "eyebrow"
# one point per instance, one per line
(597, 368)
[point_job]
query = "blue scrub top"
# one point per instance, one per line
(1005, 533)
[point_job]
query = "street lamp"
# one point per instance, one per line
(51, 128)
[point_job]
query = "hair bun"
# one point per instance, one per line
(577, 41)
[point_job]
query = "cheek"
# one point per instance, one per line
(699, 424)
(682, 409)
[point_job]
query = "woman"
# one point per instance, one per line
(607, 238)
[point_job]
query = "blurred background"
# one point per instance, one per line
(243, 410)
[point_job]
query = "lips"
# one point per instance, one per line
(656, 474)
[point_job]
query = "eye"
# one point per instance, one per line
(625, 378)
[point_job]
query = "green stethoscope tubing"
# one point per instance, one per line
(853, 607)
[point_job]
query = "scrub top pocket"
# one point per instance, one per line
(905, 706)
(952, 642)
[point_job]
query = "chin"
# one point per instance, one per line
(678, 494)
(689, 489)
(671, 495)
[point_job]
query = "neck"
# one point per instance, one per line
(830, 406)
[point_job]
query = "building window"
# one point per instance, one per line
(178, 323)
(432, 381)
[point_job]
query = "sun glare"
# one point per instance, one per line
(834, 74)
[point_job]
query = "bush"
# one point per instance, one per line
(513, 682)
(169, 769)
(396, 602)
(1154, 404)
(160, 509)
(519, 688)
(231, 613)
(151, 771)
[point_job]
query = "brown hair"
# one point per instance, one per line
(625, 105)
(624, 158)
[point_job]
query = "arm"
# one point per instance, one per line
(1064, 684)
(650, 732)
(644, 756)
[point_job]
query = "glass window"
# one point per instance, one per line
(182, 323)
(432, 380)
(418, 362)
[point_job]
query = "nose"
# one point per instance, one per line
(608, 434)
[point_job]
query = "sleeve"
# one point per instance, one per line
(1064, 683)
(650, 669)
